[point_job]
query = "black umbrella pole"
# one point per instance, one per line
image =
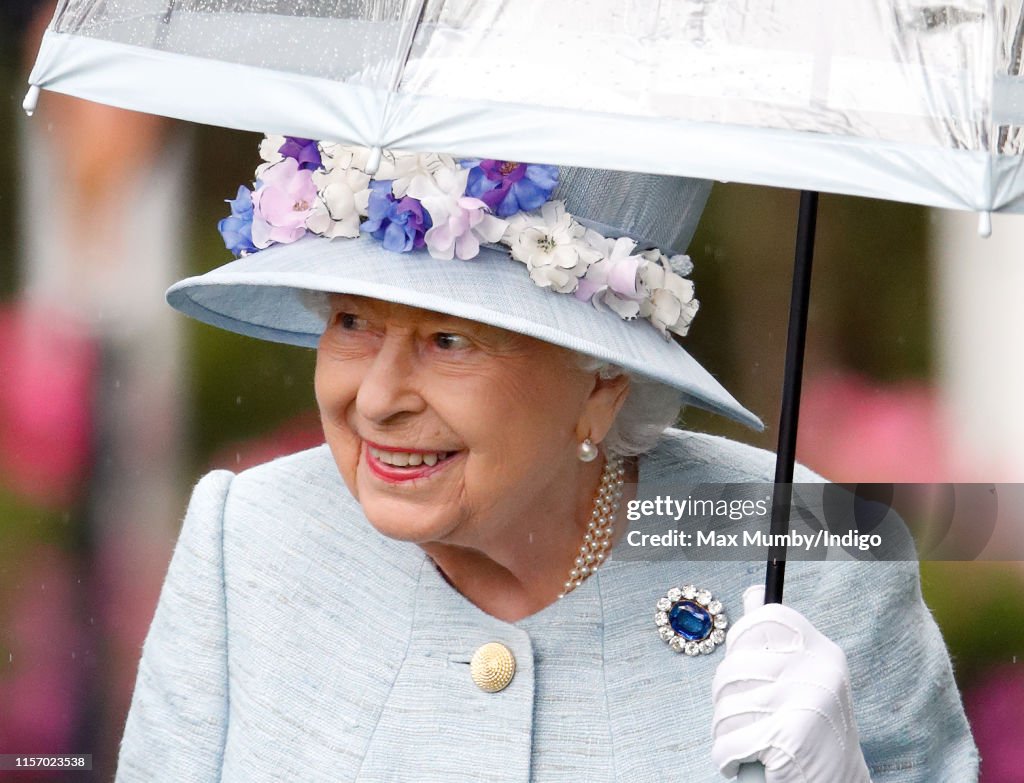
(789, 417)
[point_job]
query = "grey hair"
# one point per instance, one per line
(650, 407)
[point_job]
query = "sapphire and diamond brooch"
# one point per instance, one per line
(690, 620)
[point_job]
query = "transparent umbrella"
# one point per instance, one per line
(896, 99)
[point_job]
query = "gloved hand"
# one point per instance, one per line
(782, 697)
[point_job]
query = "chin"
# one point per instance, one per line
(407, 521)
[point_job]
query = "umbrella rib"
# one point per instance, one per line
(407, 35)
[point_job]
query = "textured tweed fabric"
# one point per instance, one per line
(292, 642)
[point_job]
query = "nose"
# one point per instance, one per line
(389, 389)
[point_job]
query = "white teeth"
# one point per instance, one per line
(407, 459)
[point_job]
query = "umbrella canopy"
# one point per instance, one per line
(892, 99)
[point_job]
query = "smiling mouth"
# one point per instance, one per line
(409, 459)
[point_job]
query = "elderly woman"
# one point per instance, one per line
(434, 594)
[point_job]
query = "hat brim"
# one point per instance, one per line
(261, 295)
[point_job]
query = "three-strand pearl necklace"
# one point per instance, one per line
(597, 542)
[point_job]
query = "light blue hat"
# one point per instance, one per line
(267, 294)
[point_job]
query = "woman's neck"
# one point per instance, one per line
(524, 568)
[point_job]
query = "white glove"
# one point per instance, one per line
(782, 697)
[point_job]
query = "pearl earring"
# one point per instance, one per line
(587, 451)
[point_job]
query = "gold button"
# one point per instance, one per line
(493, 667)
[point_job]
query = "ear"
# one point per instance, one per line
(602, 406)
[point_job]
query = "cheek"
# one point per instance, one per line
(528, 421)
(547, 398)
(334, 390)
(335, 383)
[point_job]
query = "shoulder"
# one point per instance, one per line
(310, 469)
(294, 510)
(714, 459)
(288, 488)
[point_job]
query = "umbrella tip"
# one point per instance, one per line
(373, 162)
(31, 99)
(984, 224)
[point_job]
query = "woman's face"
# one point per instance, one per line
(449, 430)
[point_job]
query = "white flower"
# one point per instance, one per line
(438, 192)
(269, 148)
(269, 153)
(669, 302)
(460, 223)
(403, 167)
(551, 245)
(343, 156)
(342, 197)
(400, 167)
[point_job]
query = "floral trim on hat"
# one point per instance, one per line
(451, 208)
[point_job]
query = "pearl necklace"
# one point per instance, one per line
(598, 539)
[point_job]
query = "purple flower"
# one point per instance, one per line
(399, 223)
(305, 151)
(507, 187)
(237, 228)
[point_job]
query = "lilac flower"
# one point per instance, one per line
(281, 204)
(612, 281)
(236, 229)
(465, 227)
(305, 151)
(507, 187)
(399, 223)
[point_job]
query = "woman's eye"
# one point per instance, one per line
(351, 322)
(447, 341)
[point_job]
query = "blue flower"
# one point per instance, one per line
(507, 187)
(398, 223)
(237, 228)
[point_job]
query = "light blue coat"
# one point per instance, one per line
(292, 642)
